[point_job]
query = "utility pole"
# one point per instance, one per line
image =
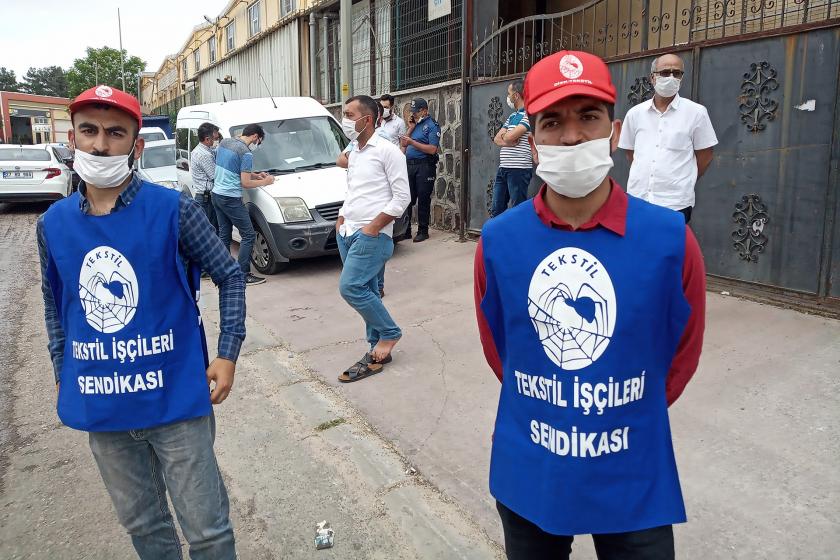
(345, 22)
(96, 74)
(122, 58)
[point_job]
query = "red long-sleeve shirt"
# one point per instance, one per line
(613, 216)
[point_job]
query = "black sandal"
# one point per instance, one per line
(362, 369)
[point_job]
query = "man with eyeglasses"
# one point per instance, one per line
(668, 141)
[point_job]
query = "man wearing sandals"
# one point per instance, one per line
(377, 194)
(590, 307)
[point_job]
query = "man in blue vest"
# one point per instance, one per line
(590, 305)
(421, 149)
(120, 266)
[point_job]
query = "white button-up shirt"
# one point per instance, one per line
(377, 182)
(664, 168)
(392, 129)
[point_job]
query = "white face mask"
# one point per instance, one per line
(105, 172)
(667, 87)
(386, 113)
(510, 103)
(575, 171)
(349, 128)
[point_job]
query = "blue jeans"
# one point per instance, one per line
(207, 205)
(230, 211)
(364, 259)
(139, 466)
(511, 186)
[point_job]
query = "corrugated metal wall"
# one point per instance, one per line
(277, 57)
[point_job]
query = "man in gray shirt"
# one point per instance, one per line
(203, 169)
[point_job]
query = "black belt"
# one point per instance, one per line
(420, 161)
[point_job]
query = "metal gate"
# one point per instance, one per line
(766, 209)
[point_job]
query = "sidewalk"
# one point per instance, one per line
(755, 431)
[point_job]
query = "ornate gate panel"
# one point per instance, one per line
(761, 207)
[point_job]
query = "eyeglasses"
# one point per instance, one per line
(668, 73)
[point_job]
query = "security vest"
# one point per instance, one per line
(135, 355)
(586, 324)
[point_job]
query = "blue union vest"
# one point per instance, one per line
(135, 355)
(586, 324)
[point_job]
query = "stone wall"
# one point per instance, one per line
(445, 108)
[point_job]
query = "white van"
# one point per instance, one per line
(295, 217)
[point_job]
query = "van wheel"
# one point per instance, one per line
(263, 257)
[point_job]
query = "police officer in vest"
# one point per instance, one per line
(120, 265)
(421, 150)
(590, 308)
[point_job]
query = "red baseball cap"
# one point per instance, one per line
(566, 74)
(109, 96)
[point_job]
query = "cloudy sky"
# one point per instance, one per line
(56, 32)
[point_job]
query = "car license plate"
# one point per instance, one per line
(17, 174)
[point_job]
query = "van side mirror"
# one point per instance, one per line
(183, 165)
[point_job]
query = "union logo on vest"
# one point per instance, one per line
(571, 302)
(108, 289)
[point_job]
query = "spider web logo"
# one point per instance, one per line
(108, 290)
(571, 302)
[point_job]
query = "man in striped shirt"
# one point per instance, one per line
(516, 165)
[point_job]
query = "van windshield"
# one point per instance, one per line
(297, 144)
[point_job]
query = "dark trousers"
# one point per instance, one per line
(686, 212)
(206, 203)
(230, 211)
(526, 541)
(511, 185)
(421, 181)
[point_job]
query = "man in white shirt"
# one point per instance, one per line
(392, 126)
(377, 194)
(668, 141)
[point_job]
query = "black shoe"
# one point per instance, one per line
(406, 236)
(381, 293)
(421, 237)
(253, 280)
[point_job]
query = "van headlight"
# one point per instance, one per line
(294, 210)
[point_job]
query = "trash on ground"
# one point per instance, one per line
(411, 471)
(324, 535)
(725, 293)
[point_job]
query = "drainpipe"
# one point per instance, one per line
(325, 40)
(313, 33)
(346, 23)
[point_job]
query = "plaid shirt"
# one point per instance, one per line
(203, 168)
(197, 243)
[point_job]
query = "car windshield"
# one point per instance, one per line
(152, 136)
(24, 154)
(63, 153)
(297, 144)
(158, 156)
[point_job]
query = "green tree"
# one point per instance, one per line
(103, 64)
(8, 80)
(50, 80)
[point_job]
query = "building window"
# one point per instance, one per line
(229, 37)
(253, 19)
(211, 46)
(287, 7)
(197, 55)
(184, 69)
